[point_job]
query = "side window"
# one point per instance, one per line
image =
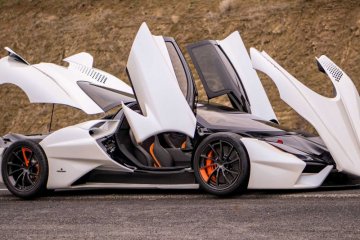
(217, 74)
(178, 67)
(229, 68)
(211, 68)
(182, 71)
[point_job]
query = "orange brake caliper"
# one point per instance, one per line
(27, 161)
(207, 170)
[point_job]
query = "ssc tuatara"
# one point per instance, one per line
(162, 137)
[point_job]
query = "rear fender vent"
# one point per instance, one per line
(91, 72)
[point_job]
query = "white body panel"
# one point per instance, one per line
(159, 40)
(335, 119)
(72, 152)
(82, 63)
(51, 83)
(159, 96)
(271, 168)
(235, 50)
(82, 58)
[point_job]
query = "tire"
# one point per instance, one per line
(25, 169)
(221, 164)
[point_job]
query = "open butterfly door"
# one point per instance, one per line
(225, 68)
(164, 108)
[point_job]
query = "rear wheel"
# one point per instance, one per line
(25, 169)
(221, 164)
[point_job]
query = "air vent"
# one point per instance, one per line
(90, 72)
(332, 69)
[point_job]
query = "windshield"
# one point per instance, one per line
(242, 123)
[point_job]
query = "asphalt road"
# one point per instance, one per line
(130, 214)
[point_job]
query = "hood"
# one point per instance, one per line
(215, 119)
(305, 146)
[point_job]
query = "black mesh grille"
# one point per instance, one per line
(333, 70)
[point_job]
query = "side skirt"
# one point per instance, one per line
(149, 179)
(135, 186)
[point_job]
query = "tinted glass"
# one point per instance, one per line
(212, 68)
(229, 67)
(217, 74)
(105, 98)
(227, 120)
(178, 67)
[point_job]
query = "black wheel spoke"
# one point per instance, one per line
(15, 171)
(33, 174)
(31, 156)
(14, 164)
(18, 158)
(230, 171)
(225, 177)
(217, 177)
(206, 157)
(212, 174)
(213, 149)
(29, 179)
(221, 149)
(18, 178)
(23, 180)
(229, 153)
(211, 165)
(232, 161)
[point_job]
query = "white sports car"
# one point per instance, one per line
(162, 137)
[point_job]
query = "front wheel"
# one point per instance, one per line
(24, 169)
(221, 164)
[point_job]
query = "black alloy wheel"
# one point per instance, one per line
(221, 164)
(24, 169)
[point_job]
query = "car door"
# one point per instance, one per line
(156, 84)
(225, 68)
